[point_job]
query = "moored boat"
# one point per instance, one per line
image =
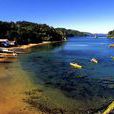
(8, 55)
(5, 50)
(5, 60)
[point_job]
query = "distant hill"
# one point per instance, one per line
(97, 35)
(71, 33)
(24, 32)
(101, 35)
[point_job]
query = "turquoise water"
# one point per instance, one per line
(49, 66)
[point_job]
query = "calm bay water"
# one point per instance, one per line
(86, 89)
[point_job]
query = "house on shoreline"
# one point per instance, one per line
(7, 43)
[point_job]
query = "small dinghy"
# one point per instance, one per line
(75, 65)
(94, 60)
(4, 60)
(8, 55)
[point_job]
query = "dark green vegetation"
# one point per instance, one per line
(111, 34)
(24, 32)
(28, 32)
(71, 33)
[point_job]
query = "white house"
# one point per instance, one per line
(6, 43)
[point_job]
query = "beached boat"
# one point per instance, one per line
(5, 60)
(8, 55)
(75, 65)
(5, 50)
(2, 59)
(94, 60)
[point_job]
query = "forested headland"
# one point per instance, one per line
(111, 34)
(72, 33)
(24, 32)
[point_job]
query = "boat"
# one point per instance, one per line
(2, 59)
(5, 60)
(8, 55)
(75, 65)
(94, 60)
(4, 52)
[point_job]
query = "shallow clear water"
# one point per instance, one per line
(49, 66)
(80, 50)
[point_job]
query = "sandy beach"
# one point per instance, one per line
(13, 84)
(37, 44)
(32, 45)
(22, 48)
(12, 92)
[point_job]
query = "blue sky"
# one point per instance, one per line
(96, 16)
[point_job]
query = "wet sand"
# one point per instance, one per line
(13, 84)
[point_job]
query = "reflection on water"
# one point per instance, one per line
(90, 87)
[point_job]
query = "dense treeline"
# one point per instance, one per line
(27, 32)
(24, 32)
(111, 34)
(71, 33)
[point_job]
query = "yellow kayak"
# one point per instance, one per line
(75, 65)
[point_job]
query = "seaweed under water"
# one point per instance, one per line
(91, 87)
